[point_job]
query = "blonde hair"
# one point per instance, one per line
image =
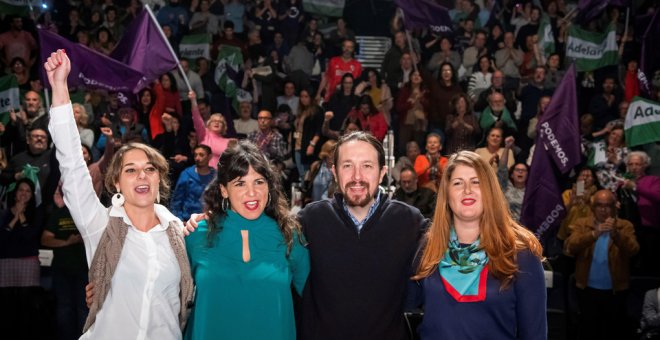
(154, 156)
(223, 129)
(501, 236)
(84, 117)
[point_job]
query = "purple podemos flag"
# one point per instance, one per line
(143, 48)
(90, 68)
(557, 152)
(425, 14)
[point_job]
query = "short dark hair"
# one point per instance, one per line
(361, 136)
(228, 24)
(203, 147)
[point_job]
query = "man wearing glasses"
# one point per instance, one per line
(35, 158)
(269, 140)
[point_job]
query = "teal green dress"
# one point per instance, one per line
(239, 300)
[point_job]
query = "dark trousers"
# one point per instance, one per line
(602, 314)
(69, 289)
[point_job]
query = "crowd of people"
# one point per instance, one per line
(464, 107)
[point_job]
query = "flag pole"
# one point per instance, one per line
(409, 38)
(162, 34)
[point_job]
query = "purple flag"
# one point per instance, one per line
(558, 128)
(88, 67)
(143, 48)
(425, 14)
(543, 208)
(590, 9)
(650, 60)
(557, 152)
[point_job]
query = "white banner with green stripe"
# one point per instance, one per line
(9, 97)
(642, 122)
(331, 8)
(592, 50)
(195, 46)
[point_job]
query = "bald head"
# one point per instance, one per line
(603, 204)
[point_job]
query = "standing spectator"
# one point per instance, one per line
(193, 78)
(299, 64)
(235, 13)
(203, 21)
(473, 54)
(19, 264)
(103, 41)
(554, 73)
(338, 66)
(430, 166)
(69, 269)
(245, 124)
(602, 246)
(508, 59)
(71, 28)
(493, 151)
(413, 104)
(445, 55)
(173, 145)
(321, 180)
(127, 129)
(175, 16)
(603, 107)
(269, 141)
(631, 84)
(289, 96)
(340, 34)
(82, 121)
(391, 66)
(462, 129)
(291, 17)
(372, 120)
(17, 43)
(265, 17)
(577, 204)
(187, 196)
(447, 89)
(211, 132)
(342, 102)
(379, 91)
(650, 322)
(512, 180)
(646, 189)
(497, 115)
(19, 69)
(36, 156)
(607, 157)
(481, 78)
(112, 23)
(497, 85)
(412, 194)
(306, 139)
(412, 151)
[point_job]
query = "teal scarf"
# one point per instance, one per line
(463, 270)
(487, 119)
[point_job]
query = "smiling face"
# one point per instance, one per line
(465, 195)
(495, 138)
(248, 195)
(139, 180)
(433, 144)
(23, 193)
(358, 173)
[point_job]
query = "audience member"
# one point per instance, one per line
(412, 194)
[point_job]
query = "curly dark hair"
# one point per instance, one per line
(235, 162)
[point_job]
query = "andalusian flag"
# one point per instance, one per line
(642, 122)
(331, 8)
(9, 97)
(230, 61)
(546, 37)
(195, 46)
(592, 50)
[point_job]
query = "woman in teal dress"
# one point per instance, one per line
(246, 254)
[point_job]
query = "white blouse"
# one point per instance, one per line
(143, 301)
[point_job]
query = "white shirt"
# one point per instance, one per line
(143, 301)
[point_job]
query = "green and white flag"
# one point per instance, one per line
(195, 46)
(592, 50)
(18, 7)
(230, 61)
(642, 122)
(9, 97)
(546, 37)
(331, 8)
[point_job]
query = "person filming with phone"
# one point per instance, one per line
(602, 245)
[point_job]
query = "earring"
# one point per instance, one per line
(224, 204)
(117, 200)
